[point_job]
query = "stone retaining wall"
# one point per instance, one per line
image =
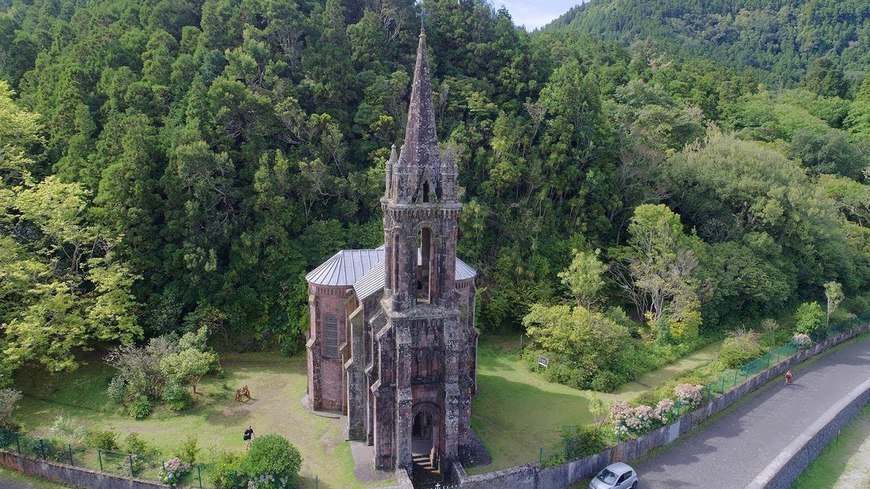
(71, 475)
(533, 476)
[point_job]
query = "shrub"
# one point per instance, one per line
(583, 440)
(68, 430)
(741, 346)
(666, 411)
(227, 472)
(632, 421)
(135, 444)
(605, 381)
(802, 341)
(273, 455)
(103, 439)
(689, 394)
(140, 408)
(117, 390)
(8, 400)
(177, 397)
(809, 318)
(173, 470)
(188, 450)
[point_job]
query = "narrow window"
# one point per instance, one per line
(426, 191)
(330, 336)
(424, 265)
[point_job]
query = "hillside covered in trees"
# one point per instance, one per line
(777, 39)
(171, 164)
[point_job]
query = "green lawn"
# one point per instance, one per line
(517, 412)
(277, 385)
(844, 462)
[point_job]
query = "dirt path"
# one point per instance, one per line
(658, 377)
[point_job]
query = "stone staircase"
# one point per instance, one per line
(424, 475)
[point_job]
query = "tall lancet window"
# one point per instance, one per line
(426, 191)
(424, 265)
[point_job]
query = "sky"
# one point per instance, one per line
(535, 13)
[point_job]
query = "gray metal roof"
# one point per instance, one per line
(364, 270)
(345, 267)
(371, 282)
(375, 279)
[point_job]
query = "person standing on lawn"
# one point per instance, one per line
(249, 437)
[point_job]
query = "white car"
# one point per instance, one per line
(615, 476)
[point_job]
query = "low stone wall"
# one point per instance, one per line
(791, 463)
(533, 476)
(71, 475)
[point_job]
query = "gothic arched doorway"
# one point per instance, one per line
(425, 430)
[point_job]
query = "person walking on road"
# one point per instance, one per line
(788, 377)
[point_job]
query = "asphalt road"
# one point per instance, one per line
(729, 452)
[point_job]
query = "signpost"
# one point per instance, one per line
(543, 361)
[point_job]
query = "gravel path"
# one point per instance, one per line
(730, 452)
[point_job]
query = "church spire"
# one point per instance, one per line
(418, 171)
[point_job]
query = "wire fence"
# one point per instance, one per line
(573, 445)
(142, 466)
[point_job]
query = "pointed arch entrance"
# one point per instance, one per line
(425, 431)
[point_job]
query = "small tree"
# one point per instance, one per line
(583, 277)
(809, 318)
(834, 294)
(190, 361)
(8, 400)
(188, 366)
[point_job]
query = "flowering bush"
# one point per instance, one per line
(689, 394)
(666, 411)
(173, 470)
(628, 421)
(802, 340)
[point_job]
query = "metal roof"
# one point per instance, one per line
(345, 267)
(375, 279)
(364, 270)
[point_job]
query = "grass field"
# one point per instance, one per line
(517, 412)
(217, 421)
(845, 462)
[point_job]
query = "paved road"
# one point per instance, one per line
(730, 452)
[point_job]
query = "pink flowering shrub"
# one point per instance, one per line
(173, 470)
(689, 394)
(802, 340)
(632, 421)
(666, 411)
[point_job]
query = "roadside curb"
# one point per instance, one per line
(795, 458)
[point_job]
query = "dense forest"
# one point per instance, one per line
(172, 164)
(776, 39)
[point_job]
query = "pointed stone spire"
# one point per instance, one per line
(420, 151)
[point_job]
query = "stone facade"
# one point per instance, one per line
(392, 342)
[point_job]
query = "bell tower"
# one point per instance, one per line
(424, 386)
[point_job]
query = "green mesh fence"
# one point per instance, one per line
(142, 466)
(730, 379)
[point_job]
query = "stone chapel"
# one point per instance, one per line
(392, 342)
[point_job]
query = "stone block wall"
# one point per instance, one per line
(73, 476)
